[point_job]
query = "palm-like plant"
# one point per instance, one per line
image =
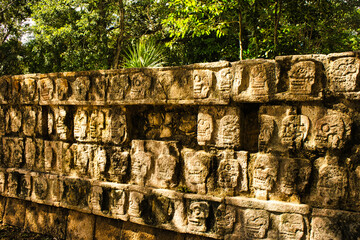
(145, 53)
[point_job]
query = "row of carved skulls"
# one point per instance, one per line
(48, 189)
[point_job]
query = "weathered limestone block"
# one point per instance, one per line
(13, 150)
(165, 123)
(254, 81)
(265, 170)
(197, 170)
(330, 128)
(18, 183)
(107, 229)
(33, 122)
(203, 82)
(175, 84)
(154, 163)
(109, 199)
(219, 126)
(119, 170)
(45, 220)
(98, 89)
(200, 210)
(80, 226)
(5, 83)
(291, 226)
(333, 131)
(28, 90)
(256, 223)
(14, 120)
(138, 203)
(300, 78)
(232, 171)
(334, 224)
(197, 216)
(225, 216)
(14, 214)
(166, 210)
(61, 124)
(328, 188)
(100, 124)
(83, 157)
(80, 87)
(2, 121)
(118, 85)
(294, 174)
(258, 219)
(75, 194)
(46, 188)
(118, 201)
(3, 181)
(140, 85)
(46, 87)
(95, 199)
(292, 129)
(354, 182)
(343, 71)
(53, 157)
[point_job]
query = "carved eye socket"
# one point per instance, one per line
(228, 167)
(325, 128)
(137, 82)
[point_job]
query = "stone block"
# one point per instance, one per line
(80, 226)
(14, 214)
(254, 80)
(100, 125)
(154, 163)
(300, 78)
(46, 220)
(109, 229)
(13, 150)
(219, 126)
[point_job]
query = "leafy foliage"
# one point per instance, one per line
(73, 35)
(145, 53)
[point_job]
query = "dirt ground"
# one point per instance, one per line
(10, 232)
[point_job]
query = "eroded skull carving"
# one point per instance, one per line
(141, 162)
(28, 89)
(229, 131)
(332, 132)
(229, 170)
(225, 216)
(46, 89)
(256, 223)
(202, 81)
(165, 167)
(302, 77)
(265, 174)
(291, 226)
(258, 83)
(204, 128)
(197, 167)
(225, 80)
(135, 201)
(80, 125)
(294, 130)
(198, 213)
(343, 74)
(140, 85)
(267, 127)
(81, 88)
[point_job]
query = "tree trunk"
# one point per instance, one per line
(120, 39)
(240, 33)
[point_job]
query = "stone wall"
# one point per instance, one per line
(256, 149)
